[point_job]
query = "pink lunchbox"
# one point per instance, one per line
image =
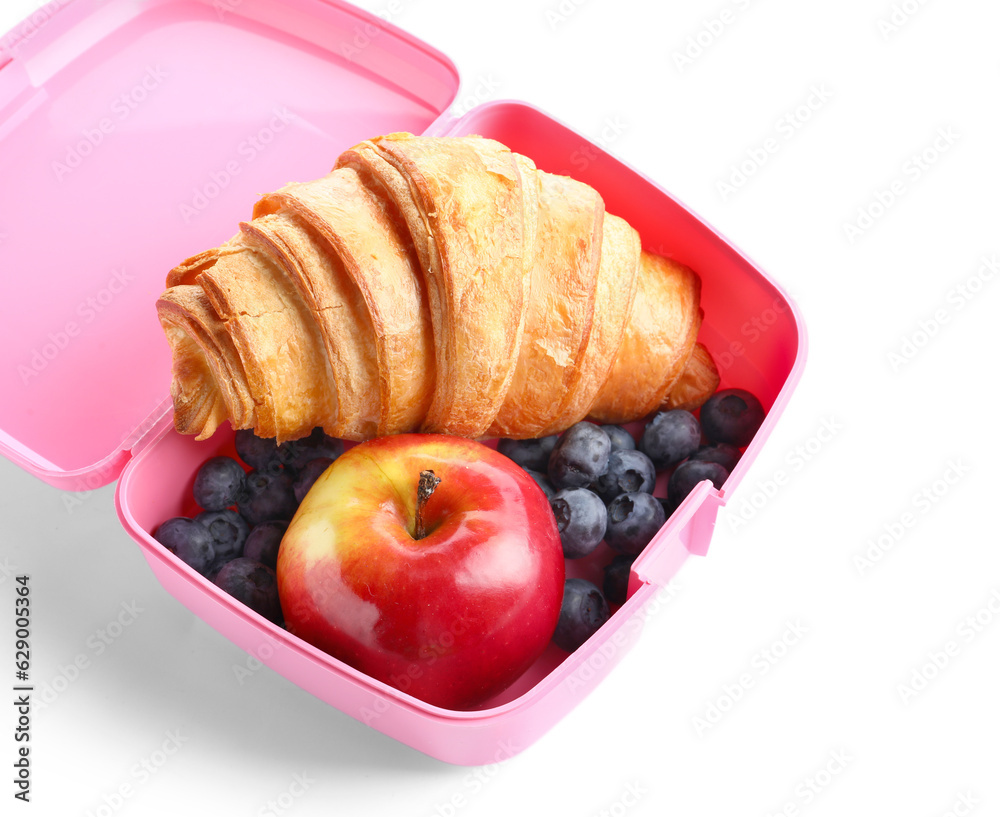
(133, 135)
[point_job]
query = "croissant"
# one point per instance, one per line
(437, 284)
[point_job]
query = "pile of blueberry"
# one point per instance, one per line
(246, 507)
(599, 480)
(600, 483)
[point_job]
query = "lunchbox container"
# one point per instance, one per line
(135, 134)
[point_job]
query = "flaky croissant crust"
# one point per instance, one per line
(437, 284)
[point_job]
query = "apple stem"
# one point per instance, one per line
(425, 487)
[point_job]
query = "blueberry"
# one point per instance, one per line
(584, 610)
(726, 455)
(627, 471)
(581, 518)
(254, 584)
(229, 532)
(310, 472)
(689, 473)
(532, 455)
(191, 542)
(620, 438)
(633, 519)
(260, 453)
(218, 483)
(670, 437)
(580, 456)
(296, 454)
(542, 481)
(267, 496)
(616, 575)
(264, 540)
(732, 416)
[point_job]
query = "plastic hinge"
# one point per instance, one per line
(151, 428)
(443, 125)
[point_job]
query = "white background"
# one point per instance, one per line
(829, 729)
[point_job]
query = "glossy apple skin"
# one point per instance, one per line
(453, 618)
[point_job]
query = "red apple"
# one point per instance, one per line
(453, 616)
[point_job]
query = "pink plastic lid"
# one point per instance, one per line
(133, 136)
